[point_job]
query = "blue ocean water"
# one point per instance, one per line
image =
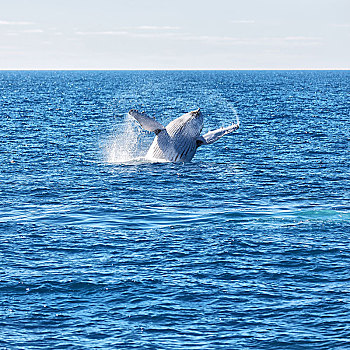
(246, 247)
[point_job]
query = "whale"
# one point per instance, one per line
(180, 139)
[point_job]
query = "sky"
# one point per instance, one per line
(174, 34)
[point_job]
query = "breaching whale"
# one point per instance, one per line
(179, 140)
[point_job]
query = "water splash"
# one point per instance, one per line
(234, 110)
(219, 110)
(127, 143)
(222, 117)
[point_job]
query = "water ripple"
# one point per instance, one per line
(245, 247)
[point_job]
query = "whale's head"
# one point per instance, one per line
(194, 123)
(189, 124)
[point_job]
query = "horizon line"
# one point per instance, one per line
(174, 69)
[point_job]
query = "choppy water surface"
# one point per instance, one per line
(245, 247)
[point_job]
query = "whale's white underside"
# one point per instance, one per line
(179, 140)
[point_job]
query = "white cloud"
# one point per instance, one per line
(32, 31)
(260, 41)
(156, 32)
(155, 28)
(145, 31)
(243, 21)
(16, 23)
(344, 25)
(302, 38)
(118, 33)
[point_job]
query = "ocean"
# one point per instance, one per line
(245, 247)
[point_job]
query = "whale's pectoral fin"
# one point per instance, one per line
(215, 135)
(147, 122)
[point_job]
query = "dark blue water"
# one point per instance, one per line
(246, 247)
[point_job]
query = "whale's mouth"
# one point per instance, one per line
(196, 113)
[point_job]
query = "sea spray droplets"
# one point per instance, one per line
(126, 144)
(235, 114)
